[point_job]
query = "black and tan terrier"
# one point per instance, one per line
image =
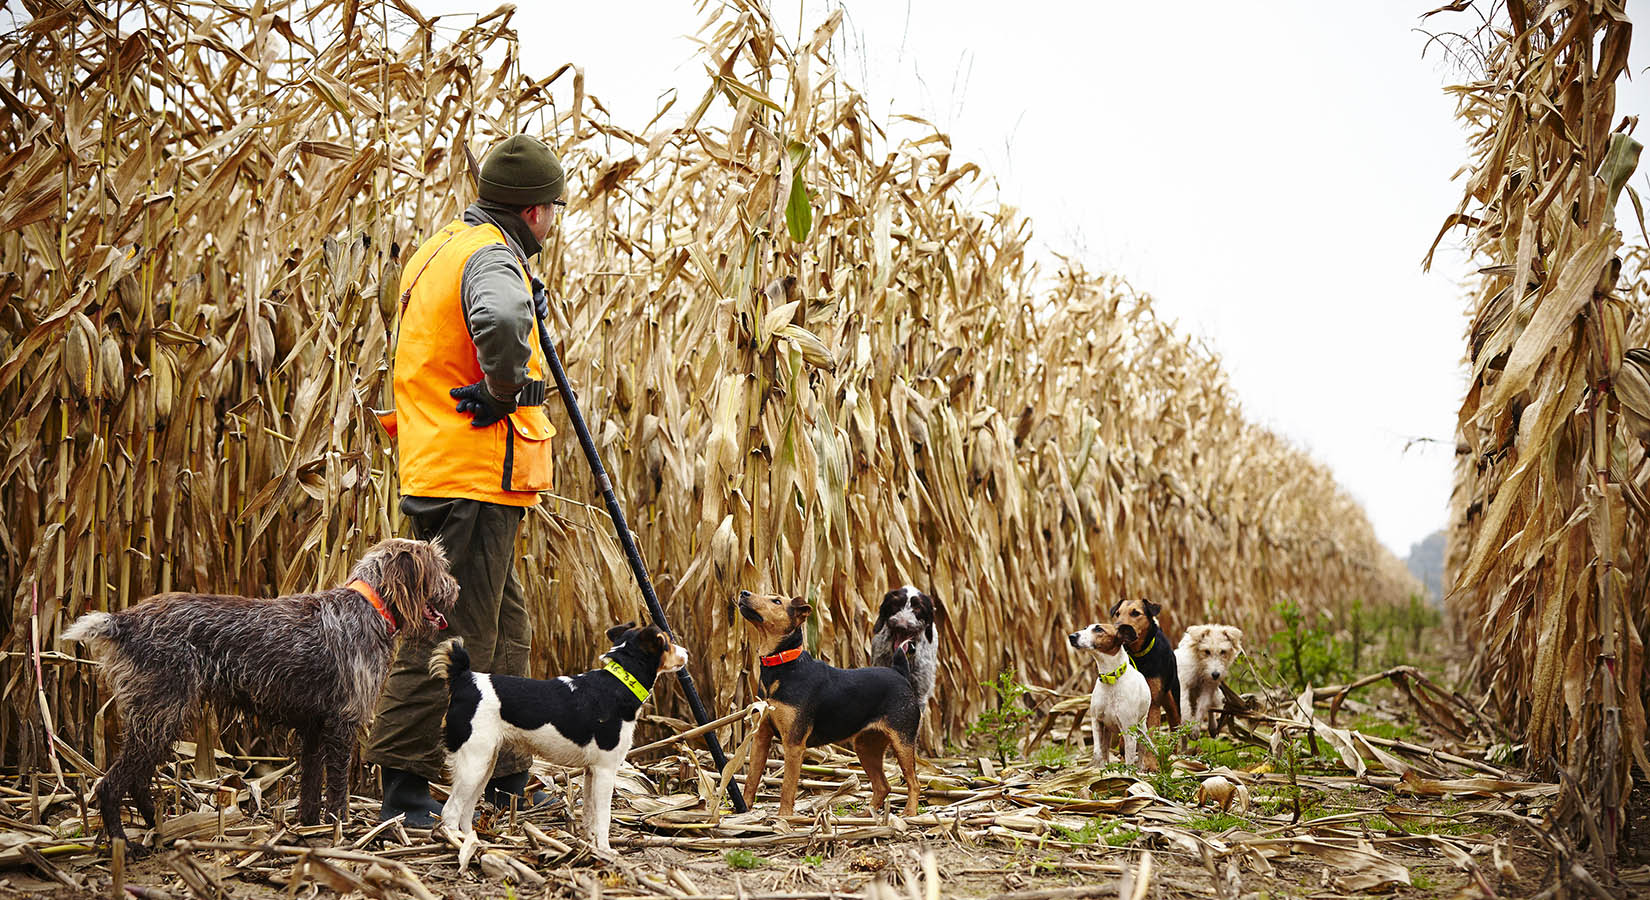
(1153, 654)
(813, 704)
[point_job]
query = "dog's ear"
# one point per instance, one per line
(652, 640)
(800, 609)
(1116, 607)
(618, 631)
(890, 604)
(1126, 632)
(1152, 609)
(1236, 634)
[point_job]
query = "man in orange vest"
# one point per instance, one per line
(475, 451)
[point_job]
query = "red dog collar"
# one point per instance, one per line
(779, 659)
(367, 591)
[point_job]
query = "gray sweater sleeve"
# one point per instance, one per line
(499, 311)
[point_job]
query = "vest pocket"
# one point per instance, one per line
(529, 463)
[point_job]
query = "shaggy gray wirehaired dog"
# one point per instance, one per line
(312, 662)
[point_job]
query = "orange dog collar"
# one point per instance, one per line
(367, 591)
(779, 659)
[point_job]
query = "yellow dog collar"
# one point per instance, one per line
(629, 680)
(1145, 650)
(1112, 676)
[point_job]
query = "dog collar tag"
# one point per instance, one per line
(623, 675)
(1112, 676)
(779, 659)
(367, 591)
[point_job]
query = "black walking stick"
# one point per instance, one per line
(637, 568)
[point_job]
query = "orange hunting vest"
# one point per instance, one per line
(508, 462)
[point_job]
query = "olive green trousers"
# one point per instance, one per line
(490, 615)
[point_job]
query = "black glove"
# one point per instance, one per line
(477, 401)
(541, 300)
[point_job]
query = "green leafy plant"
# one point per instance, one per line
(1223, 751)
(1217, 821)
(1308, 651)
(1161, 743)
(1053, 755)
(1111, 832)
(1001, 727)
(814, 859)
(1394, 731)
(743, 859)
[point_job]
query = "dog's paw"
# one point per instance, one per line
(467, 850)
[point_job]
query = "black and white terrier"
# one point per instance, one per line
(586, 720)
(907, 614)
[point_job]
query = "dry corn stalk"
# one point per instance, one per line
(1541, 557)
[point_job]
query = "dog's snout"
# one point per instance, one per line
(1073, 637)
(744, 595)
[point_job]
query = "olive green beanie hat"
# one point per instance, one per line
(521, 171)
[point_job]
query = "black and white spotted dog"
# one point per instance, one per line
(584, 720)
(907, 614)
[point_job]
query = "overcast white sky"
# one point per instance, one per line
(1271, 172)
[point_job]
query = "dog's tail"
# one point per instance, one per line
(901, 662)
(450, 661)
(93, 626)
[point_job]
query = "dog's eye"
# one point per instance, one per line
(776, 601)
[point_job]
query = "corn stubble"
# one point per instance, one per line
(826, 390)
(1548, 512)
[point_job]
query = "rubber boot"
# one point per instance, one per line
(407, 793)
(502, 787)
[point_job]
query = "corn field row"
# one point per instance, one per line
(1548, 516)
(814, 359)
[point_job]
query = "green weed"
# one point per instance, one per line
(1221, 751)
(814, 859)
(1161, 743)
(743, 859)
(1308, 650)
(1053, 755)
(1111, 832)
(1218, 821)
(1392, 731)
(1001, 727)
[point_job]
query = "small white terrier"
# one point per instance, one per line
(1202, 659)
(1121, 695)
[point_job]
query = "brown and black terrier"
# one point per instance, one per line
(813, 704)
(311, 662)
(1153, 654)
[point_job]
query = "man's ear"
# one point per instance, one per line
(617, 631)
